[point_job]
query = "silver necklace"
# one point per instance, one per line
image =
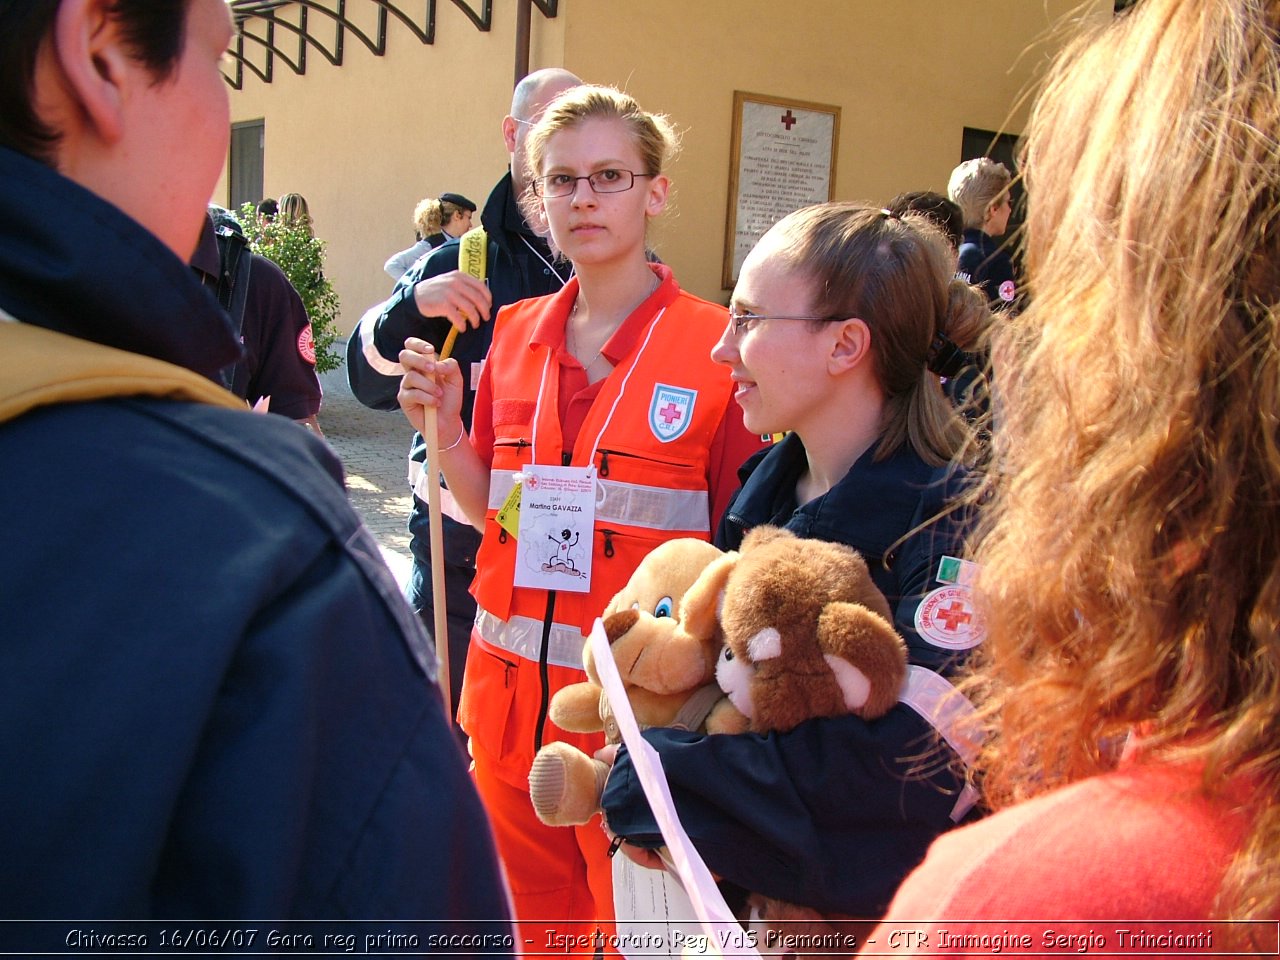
(586, 365)
(569, 337)
(569, 332)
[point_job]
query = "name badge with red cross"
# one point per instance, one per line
(947, 618)
(670, 411)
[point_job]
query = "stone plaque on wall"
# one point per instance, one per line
(783, 158)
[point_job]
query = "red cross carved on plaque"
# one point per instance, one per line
(670, 413)
(954, 615)
(789, 120)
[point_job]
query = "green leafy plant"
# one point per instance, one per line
(290, 245)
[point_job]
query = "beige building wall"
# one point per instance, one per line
(365, 141)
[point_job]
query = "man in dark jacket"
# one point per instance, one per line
(213, 701)
(430, 299)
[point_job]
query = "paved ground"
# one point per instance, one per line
(372, 445)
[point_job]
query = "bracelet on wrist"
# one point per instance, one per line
(461, 433)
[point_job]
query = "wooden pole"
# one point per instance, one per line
(431, 434)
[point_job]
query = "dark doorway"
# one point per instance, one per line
(248, 141)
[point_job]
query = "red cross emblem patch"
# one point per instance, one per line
(307, 345)
(947, 618)
(670, 411)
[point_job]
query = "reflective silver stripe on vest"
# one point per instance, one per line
(629, 504)
(945, 708)
(523, 637)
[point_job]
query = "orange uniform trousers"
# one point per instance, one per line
(561, 878)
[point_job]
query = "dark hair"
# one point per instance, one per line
(153, 30)
(945, 213)
(268, 208)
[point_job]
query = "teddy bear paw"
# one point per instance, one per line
(565, 785)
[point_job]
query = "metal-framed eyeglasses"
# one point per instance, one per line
(602, 181)
(742, 322)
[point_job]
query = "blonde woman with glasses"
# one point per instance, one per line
(605, 396)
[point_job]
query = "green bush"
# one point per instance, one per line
(294, 250)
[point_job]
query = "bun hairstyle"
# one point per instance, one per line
(967, 319)
(897, 275)
(432, 213)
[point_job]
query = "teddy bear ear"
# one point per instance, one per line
(852, 636)
(855, 688)
(765, 645)
(700, 605)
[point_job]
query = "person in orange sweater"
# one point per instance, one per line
(600, 409)
(1130, 550)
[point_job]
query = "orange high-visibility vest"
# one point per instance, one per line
(649, 434)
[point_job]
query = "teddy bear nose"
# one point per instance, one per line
(617, 625)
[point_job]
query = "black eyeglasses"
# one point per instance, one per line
(602, 181)
(744, 321)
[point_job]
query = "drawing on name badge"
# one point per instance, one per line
(562, 561)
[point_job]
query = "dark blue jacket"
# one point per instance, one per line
(984, 262)
(213, 701)
(835, 813)
(275, 332)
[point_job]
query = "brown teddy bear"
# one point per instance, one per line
(665, 641)
(806, 632)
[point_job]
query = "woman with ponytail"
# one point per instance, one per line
(837, 318)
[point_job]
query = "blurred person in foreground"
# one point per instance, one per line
(1130, 682)
(213, 701)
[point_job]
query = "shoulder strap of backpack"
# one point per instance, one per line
(235, 265)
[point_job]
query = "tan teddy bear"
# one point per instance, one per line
(665, 643)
